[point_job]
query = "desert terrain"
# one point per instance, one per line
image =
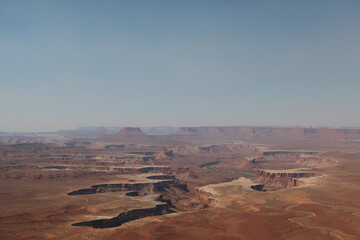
(193, 183)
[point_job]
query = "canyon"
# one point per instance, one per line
(195, 183)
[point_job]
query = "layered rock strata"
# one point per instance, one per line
(274, 180)
(160, 209)
(141, 188)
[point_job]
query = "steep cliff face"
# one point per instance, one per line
(131, 132)
(272, 175)
(274, 180)
(271, 132)
(206, 197)
(315, 162)
(160, 209)
(141, 188)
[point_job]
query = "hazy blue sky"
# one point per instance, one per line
(74, 63)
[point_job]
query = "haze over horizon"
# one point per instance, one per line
(65, 64)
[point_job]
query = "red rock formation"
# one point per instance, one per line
(142, 188)
(131, 132)
(274, 180)
(272, 175)
(315, 162)
(206, 197)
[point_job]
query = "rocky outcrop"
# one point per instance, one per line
(315, 162)
(141, 188)
(274, 180)
(160, 209)
(152, 184)
(274, 174)
(215, 194)
(208, 198)
(164, 190)
(131, 132)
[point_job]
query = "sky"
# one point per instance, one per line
(71, 63)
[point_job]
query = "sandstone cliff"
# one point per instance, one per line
(315, 162)
(276, 179)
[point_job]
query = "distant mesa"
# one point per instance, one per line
(131, 132)
(271, 132)
(187, 131)
(100, 129)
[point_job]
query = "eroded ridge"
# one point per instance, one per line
(222, 194)
(159, 209)
(280, 179)
(215, 194)
(159, 187)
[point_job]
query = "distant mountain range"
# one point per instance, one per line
(93, 132)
